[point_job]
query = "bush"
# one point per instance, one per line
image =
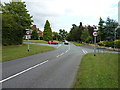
(117, 43)
(110, 43)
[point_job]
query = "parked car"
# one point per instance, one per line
(52, 42)
(66, 42)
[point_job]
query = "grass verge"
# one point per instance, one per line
(99, 71)
(77, 44)
(15, 52)
(36, 41)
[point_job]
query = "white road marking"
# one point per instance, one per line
(63, 53)
(66, 51)
(23, 71)
(85, 52)
(57, 56)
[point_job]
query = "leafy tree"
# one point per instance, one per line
(11, 31)
(75, 32)
(101, 30)
(47, 33)
(34, 35)
(55, 36)
(14, 22)
(71, 35)
(63, 34)
(109, 29)
(21, 15)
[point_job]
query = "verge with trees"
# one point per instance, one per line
(15, 19)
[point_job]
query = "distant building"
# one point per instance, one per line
(29, 36)
(40, 33)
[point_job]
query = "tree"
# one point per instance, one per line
(14, 22)
(101, 29)
(34, 35)
(86, 37)
(55, 36)
(47, 33)
(75, 32)
(21, 15)
(109, 29)
(63, 34)
(11, 31)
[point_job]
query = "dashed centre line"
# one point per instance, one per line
(63, 53)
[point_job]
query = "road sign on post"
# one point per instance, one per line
(95, 34)
(28, 32)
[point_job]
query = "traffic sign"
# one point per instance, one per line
(27, 32)
(95, 34)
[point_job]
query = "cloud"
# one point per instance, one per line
(64, 13)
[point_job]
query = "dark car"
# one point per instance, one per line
(52, 42)
(66, 42)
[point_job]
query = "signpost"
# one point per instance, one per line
(28, 32)
(95, 34)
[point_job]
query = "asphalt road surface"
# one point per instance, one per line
(52, 69)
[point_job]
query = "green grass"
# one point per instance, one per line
(77, 44)
(37, 41)
(15, 52)
(99, 71)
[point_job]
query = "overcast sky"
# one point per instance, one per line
(63, 13)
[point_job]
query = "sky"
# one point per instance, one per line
(63, 13)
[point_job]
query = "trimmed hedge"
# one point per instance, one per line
(110, 43)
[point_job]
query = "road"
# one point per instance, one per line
(52, 69)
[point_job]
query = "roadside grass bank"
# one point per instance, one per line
(100, 71)
(39, 41)
(19, 51)
(36, 41)
(77, 44)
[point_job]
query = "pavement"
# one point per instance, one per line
(52, 69)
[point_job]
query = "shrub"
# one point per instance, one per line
(110, 43)
(117, 43)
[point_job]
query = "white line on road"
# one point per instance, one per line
(66, 51)
(23, 71)
(84, 51)
(61, 54)
(57, 56)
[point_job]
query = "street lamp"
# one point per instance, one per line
(115, 35)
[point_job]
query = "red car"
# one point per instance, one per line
(52, 42)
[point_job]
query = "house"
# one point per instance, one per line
(40, 33)
(29, 36)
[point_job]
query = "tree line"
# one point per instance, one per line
(106, 31)
(16, 19)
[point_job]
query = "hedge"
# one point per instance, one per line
(115, 43)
